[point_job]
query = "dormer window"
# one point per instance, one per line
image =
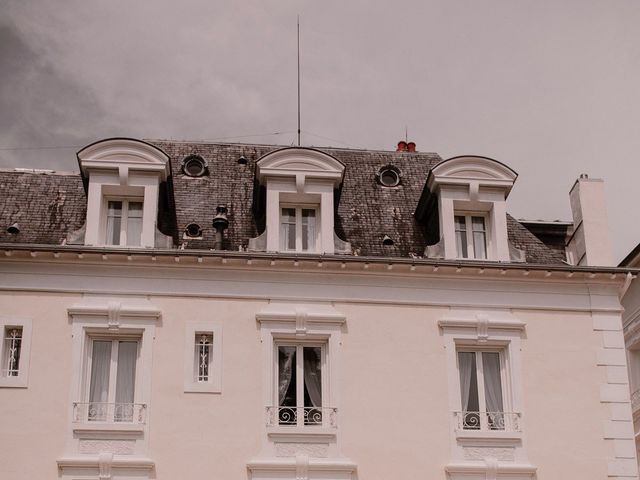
(471, 236)
(464, 201)
(123, 177)
(298, 229)
(298, 189)
(124, 222)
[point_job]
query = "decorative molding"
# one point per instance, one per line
(113, 310)
(105, 460)
(314, 450)
(117, 447)
(482, 453)
(300, 314)
(302, 467)
(300, 164)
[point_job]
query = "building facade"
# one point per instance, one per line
(225, 311)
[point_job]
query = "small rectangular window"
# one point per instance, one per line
(12, 349)
(203, 357)
(203, 353)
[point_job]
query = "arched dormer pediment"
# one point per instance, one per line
(468, 169)
(124, 153)
(123, 178)
(295, 162)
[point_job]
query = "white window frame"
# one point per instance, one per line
(214, 383)
(300, 411)
(468, 216)
(299, 227)
(111, 409)
(20, 380)
(508, 418)
(124, 218)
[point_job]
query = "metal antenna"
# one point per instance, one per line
(406, 133)
(298, 80)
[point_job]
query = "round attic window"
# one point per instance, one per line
(193, 230)
(194, 166)
(389, 177)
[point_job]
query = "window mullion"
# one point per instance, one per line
(300, 385)
(298, 229)
(113, 375)
(482, 403)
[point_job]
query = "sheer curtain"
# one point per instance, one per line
(313, 375)
(466, 365)
(99, 385)
(126, 381)
(286, 357)
(492, 381)
(134, 223)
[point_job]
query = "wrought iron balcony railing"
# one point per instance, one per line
(635, 401)
(302, 417)
(110, 412)
(488, 421)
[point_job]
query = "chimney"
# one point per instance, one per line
(402, 146)
(590, 243)
(411, 146)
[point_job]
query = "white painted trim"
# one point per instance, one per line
(113, 317)
(214, 384)
(22, 379)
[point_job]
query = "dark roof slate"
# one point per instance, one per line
(48, 206)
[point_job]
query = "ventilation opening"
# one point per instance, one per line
(242, 160)
(194, 166)
(389, 177)
(13, 229)
(193, 230)
(387, 241)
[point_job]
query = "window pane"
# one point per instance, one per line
(312, 385)
(125, 381)
(12, 346)
(288, 229)
(287, 413)
(308, 229)
(469, 390)
(479, 237)
(99, 384)
(134, 223)
(114, 222)
(492, 381)
(461, 236)
(202, 361)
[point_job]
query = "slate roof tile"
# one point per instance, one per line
(48, 206)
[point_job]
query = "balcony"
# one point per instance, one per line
(488, 421)
(110, 413)
(311, 417)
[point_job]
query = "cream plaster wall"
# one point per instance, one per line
(563, 415)
(394, 417)
(34, 420)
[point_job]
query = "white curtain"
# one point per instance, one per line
(126, 380)
(134, 223)
(492, 381)
(466, 364)
(285, 370)
(313, 375)
(99, 385)
(114, 214)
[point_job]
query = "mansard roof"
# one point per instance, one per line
(47, 206)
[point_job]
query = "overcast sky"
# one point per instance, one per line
(550, 87)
